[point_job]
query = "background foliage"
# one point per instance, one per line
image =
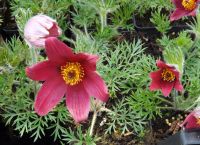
(97, 27)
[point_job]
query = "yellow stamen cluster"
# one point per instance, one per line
(167, 75)
(198, 121)
(189, 4)
(72, 73)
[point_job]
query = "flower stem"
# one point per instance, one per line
(102, 23)
(165, 100)
(175, 94)
(93, 122)
(86, 31)
(169, 108)
(103, 16)
(103, 109)
(33, 53)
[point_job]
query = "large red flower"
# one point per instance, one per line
(184, 8)
(69, 74)
(166, 78)
(191, 121)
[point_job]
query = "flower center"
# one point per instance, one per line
(189, 4)
(72, 73)
(198, 121)
(167, 75)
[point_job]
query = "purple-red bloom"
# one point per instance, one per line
(166, 78)
(192, 120)
(40, 27)
(184, 8)
(67, 74)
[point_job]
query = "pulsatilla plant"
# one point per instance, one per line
(69, 74)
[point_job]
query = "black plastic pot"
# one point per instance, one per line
(3, 8)
(183, 137)
(8, 136)
(153, 29)
(9, 32)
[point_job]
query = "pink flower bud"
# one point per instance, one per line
(38, 28)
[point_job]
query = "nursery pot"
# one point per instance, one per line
(8, 32)
(2, 11)
(183, 137)
(2, 7)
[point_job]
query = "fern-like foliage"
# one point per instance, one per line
(17, 97)
(125, 119)
(79, 138)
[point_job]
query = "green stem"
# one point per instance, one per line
(193, 45)
(33, 52)
(104, 14)
(69, 40)
(164, 100)
(86, 31)
(175, 94)
(103, 18)
(169, 108)
(102, 23)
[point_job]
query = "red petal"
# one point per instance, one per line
(178, 86)
(178, 13)
(57, 51)
(78, 102)
(162, 64)
(41, 71)
(50, 94)
(193, 13)
(177, 3)
(88, 61)
(190, 122)
(156, 80)
(54, 30)
(95, 86)
(166, 87)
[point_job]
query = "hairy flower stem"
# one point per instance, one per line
(94, 118)
(192, 48)
(175, 94)
(103, 18)
(164, 108)
(86, 31)
(33, 52)
(103, 109)
(164, 100)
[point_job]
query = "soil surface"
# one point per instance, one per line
(144, 21)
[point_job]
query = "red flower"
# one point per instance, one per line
(166, 78)
(69, 74)
(184, 8)
(191, 121)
